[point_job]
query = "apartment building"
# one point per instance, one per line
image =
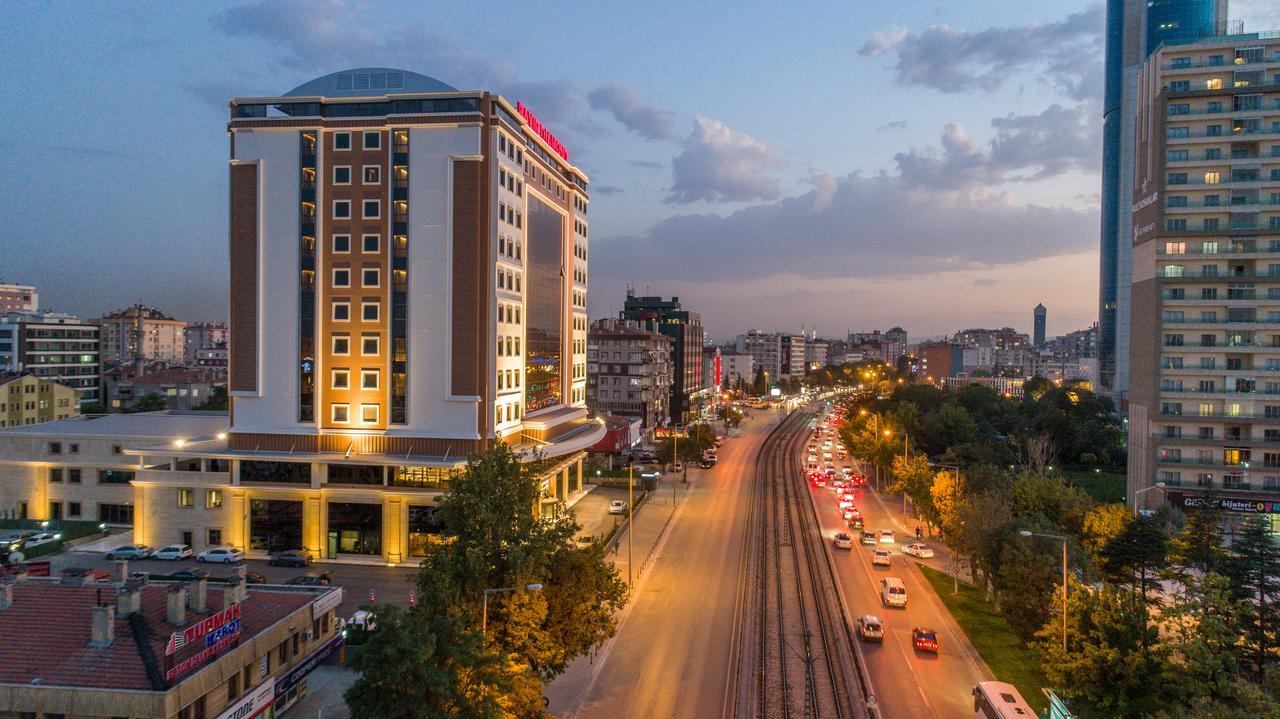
(684, 327)
(204, 336)
(1204, 373)
(160, 650)
(629, 372)
(736, 367)
(18, 298)
(765, 350)
(142, 333)
(26, 399)
(52, 346)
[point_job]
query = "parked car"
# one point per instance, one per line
(870, 629)
(617, 506)
(40, 538)
(311, 579)
(923, 551)
(254, 578)
(190, 575)
(843, 541)
(886, 536)
(881, 558)
(173, 553)
(925, 640)
(129, 551)
(225, 555)
(289, 559)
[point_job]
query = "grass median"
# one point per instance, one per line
(991, 636)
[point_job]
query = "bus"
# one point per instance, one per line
(999, 700)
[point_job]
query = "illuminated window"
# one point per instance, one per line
(369, 379)
(1212, 177)
(369, 413)
(213, 499)
(1175, 248)
(372, 174)
(186, 498)
(341, 379)
(339, 412)
(1213, 84)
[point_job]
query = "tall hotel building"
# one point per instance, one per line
(408, 287)
(1205, 364)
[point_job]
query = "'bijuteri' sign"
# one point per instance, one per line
(541, 131)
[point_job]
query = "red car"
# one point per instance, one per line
(924, 640)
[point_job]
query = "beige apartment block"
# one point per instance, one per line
(26, 399)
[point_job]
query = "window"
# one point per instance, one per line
(186, 498)
(73, 509)
(369, 379)
(1212, 177)
(1213, 83)
(370, 243)
(369, 311)
(114, 476)
(1175, 248)
(341, 311)
(74, 448)
(341, 243)
(73, 476)
(1177, 201)
(369, 413)
(1177, 178)
(369, 346)
(373, 140)
(338, 412)
(370, 277)
(213, 500)
(1175, 155)
(55, 474)
(55, 448)
(341, 379)
(341, 345)
(372, 174)
(372, 209)
(342, 209)
(342, 175)
(341, 277)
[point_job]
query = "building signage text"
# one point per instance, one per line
(202, 656)
(293, 677)
(327, 601)
(1146, 202)
(178, 640)
(541, 131)
(1140, 231)
(255, 703)
(1243, 506)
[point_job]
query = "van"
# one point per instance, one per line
(893, 593)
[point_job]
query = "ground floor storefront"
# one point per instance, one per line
(1236, 507)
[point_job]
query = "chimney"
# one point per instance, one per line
(6, 595)
(176, 605)
(200, 595)
(122, 575)
(129, 600)
(104, 626)
(236, 591)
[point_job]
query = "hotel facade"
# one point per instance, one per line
(1204, 374)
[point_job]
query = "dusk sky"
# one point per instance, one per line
(847, 164)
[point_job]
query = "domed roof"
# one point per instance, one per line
(365, 81)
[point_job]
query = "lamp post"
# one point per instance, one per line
(1140, 492)
(631, 503)
(955, 502)
(1026, 533)
(484, 612)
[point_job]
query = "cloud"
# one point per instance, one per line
(824, 186)
(1068, 53)
(869, 227)
(647, 121)
(1025, 148)
(985, 282)
(647, 165)
(895, 125)
(718, 164)
(606, 189)
(882, 41)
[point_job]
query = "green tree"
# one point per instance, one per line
(760, 385)
(1029, 576)
(1255, 572)
(94, 408)
(432, 667)
(945, 500)
(217, 399)
(1198, 547)
(913, 477)
(1102, 524)
(151, 402)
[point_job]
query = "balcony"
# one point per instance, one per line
(1233, 228)
(1256, 417)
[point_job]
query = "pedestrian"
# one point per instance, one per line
(918, 532)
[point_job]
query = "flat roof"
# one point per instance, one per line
(48, 628)
(165, 424)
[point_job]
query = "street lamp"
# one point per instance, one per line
(1140, 492)
(484, 613)
(1026, 533)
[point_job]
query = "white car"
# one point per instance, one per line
(843, 541)
(923, 551)
(36, 540)
(225, 555)
(881, 557)
(886, 536)
(617, 506)
(173, 552)
(845, 504)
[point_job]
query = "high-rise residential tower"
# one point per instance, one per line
(1135, 28)
(1204, 406)
(684, 327)
(1039, 315)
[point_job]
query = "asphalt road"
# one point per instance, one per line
(670, 656)
(907, 683)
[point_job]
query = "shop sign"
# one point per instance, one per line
(209, 624)
(202, 656)
(327, 601)
(1231, 504)
(541, 131)
(255, 703)
(288, 681)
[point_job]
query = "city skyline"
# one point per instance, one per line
(710, 170)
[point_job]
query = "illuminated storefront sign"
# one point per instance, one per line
(208, 625)
(1230, 504)
(255, 704)
(541, 131)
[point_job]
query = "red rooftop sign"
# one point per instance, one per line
(208, 625)
(541, 131)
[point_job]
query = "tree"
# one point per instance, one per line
(760, 385)
(94, 408)
(1029, 576)
(913, 477)
(151, 402)
(945, 499)
(1133, 558)
(427, 667)
(1198, 547)
(494, 538)
(217, 399)
(1102, 524)
(1255, 571)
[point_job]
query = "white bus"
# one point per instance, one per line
(998, 700)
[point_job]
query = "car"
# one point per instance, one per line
(870, 629)
(924, 640)
(868, 537)
(40, 538)
(584, 541)
(881, 558)
(224, 555)
(844, 504)
(129, 551)
(843, 541)
(719, 441)
(617, 506)
(886, 536)
(706, 463)
(855, 523)
(254, 578)
(923, 551)
(311, 579)
(851, 513)
(893, 593)
(173, 553)
(190, 575)
(289, 559)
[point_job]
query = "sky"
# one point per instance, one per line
(840, 165)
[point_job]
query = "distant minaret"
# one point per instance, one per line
(1038, 333)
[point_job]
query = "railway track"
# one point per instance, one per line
(794, 651)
